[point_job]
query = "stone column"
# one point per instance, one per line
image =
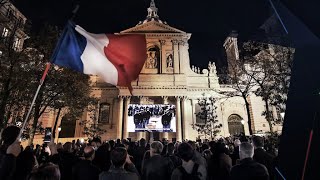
(140, 134)
(120, 115)
(164, 135)
(163, 57)
(178, 119)
(184, 117)
(176, 60)
(125, 119)
(182, 64)
(194, 116)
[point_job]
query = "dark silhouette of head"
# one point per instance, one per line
(47, 171)
(170, 148)
(185, 151)
(118, 156)
(258, 142)
(142, 142)
(9, 135)
(88, 153)
(156, 148)
(192, 144)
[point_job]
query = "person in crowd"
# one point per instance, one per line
(47, 171)
(67, 161)
(96, 143)
(157, 167)
(207, 154)
(26, 161)
(139, 153)
(197, 157)
(119, 157)
(84, 169)
(172, 157)
(261, 156)
(235, 153)
(248, 168)
(189, 168)
(102, 157)
(9, 151)
(220, 163)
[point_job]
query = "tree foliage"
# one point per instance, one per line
(209, 124)
(20, 72)
(91, 128)
(271, 70)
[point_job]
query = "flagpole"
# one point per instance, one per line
(278, 16)
(48, 65)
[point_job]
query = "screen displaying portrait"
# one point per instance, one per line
(152, 118)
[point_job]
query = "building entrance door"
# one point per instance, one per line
(235, 124)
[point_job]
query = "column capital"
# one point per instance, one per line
(121, 97)
(182, 42)
(162, 41)
(184, 98)
(178, 98)
(175, 42)
(165, 97)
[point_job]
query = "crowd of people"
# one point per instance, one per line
(224, 159)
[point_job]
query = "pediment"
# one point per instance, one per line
(152, 27)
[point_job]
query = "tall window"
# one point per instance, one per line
(9, 13)
(16, 43)
(104, 113)
(5, 32)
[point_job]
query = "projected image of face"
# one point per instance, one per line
(155, 117)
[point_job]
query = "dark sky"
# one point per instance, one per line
(209, 21)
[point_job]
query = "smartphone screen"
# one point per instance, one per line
(47, 135)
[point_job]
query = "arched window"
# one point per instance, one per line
(104, 113)
(235, 124)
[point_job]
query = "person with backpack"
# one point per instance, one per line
(189, 169)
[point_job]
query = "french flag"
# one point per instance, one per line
(117, 59)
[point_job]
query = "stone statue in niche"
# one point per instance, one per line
(152, 61)
(169, 61)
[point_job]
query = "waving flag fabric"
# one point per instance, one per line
(117, 59)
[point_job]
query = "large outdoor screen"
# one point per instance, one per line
(152, 118)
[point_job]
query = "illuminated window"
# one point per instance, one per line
(104, 113)
(5, 32)
(16, 43)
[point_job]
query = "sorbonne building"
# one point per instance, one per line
(168, 78)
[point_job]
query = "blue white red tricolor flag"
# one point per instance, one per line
(117, 59)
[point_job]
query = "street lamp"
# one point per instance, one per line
(242, 122)
(59, 129)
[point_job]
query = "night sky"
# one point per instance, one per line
(209, 21)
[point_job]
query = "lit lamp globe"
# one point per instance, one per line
(59, 129)
(242, 122)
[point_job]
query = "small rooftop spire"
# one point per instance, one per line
(152, 13)
(152, 10)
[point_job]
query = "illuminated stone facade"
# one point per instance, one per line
(167, 77)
